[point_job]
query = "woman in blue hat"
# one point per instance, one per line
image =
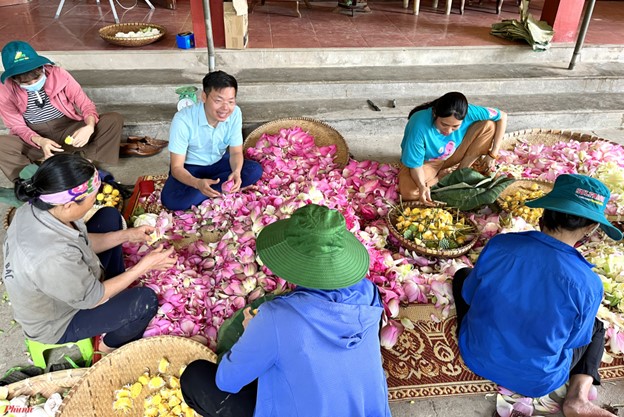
(42, 105)
(526, 313)
(314, 352)
(443, 133)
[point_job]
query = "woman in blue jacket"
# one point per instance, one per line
(526, 313)
(314, 352)
(441, 134)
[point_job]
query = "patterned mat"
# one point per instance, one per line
(425, 362)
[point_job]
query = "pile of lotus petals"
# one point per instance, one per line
(212, 280)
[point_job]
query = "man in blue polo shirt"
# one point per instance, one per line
(206, 147)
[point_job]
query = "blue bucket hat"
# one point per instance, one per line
(581, 196)
(19, 57)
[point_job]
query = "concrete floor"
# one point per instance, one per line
(12, 349)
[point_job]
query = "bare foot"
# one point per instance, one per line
(580, 408)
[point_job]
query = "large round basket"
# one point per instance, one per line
(391, 219)
(550, 137)
(546, 137)
(323, 134)
(47, 384)
(518, 185)
(108, 34)
(94, 395)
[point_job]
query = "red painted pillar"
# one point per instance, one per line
(565, 18)
(216, 18)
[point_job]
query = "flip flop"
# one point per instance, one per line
(137, 149)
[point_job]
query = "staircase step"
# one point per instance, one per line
(233, 60)
(400, 82)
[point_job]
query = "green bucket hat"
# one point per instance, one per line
(19, 57)
(581, 196)
(314, 249)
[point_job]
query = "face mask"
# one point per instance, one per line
(36, 86)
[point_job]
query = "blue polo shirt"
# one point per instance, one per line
(423, 142)
(532, 300)
(191, 135)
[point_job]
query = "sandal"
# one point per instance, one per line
(137, 149)
(148, 140)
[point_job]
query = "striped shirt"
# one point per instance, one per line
(39, 109)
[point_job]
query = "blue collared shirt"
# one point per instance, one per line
(192, 135)
(533, 299)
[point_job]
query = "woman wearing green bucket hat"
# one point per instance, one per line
(313, 352)
(527, 311)
(43, 105)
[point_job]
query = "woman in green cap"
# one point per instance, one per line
(527, 311)
(313, 352)
(43, 106)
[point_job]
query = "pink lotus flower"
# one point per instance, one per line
(390, 334)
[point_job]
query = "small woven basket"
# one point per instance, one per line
(94, 395)
(47, 384)
(323, 134)
(523, 185)
(391, 219)
(108, 34)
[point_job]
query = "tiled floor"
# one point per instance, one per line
(275, 24)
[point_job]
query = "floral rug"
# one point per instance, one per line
(425, 361)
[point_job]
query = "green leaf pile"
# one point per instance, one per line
(467, 189)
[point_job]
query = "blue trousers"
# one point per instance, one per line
(178, 196)
(123, 317)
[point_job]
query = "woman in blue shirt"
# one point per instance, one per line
(526, 313)
(441, 134)
(314, 352)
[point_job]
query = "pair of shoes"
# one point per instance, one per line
(138, 149)
(148, 140)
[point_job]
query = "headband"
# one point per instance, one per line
(77, 193)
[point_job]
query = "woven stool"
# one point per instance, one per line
(38, 351)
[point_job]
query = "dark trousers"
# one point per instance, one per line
(103, 146)
(178, 196)
(201, 393)
(123, 317)
(585, 359)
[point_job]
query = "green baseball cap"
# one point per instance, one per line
(19, 57)
(581, 196)
(314, 249)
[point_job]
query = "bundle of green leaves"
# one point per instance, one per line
(467, 189)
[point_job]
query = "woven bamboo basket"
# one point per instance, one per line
(94, 395)
(546, 137)
(523, 185)
(323, 134)
(47, 384)
(108, 34)
(8, 217)
(391, 220)
(550, 137)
